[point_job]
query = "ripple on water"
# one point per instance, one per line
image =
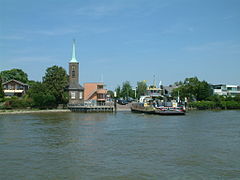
(200, 145)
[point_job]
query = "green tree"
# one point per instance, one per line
(16, 74)
(56, 80)
(1, 89)
(193, 89)
(41, 96)
(110, 93)
(118, 91)
(237, 98)
(31, 83)
(203, 91)
(127, 91)
(141, 88)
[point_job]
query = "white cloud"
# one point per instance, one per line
(33, 59)
(228, 17)
(71, 30)
(55, 31)
(228, 47)
(177, 28)
(12, 37)
(96, 11)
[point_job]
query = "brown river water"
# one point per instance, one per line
(125, 145)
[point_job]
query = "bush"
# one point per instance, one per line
(230, 105)
(201, 105)
(43, 101)
(17, 103)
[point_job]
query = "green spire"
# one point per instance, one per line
(74, 53)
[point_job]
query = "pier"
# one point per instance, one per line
(82, 108)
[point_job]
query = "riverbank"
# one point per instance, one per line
(26, 111)
(30, 111)
(212, 105)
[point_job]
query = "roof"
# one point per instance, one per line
(73, 60)
(170, 88)
(98, 83)
(18, 82)
(75, 87)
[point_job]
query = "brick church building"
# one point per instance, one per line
(76, 91)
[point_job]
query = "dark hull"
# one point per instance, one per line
(158, 112)
(142, 111)
(169, 112)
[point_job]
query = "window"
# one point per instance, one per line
(101, 96)
(19, 87)
(73, 71)
(73, 95)
(80, 95)
(99, 86)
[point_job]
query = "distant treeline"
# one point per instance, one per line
(49, 93)
(200, 95)
(52, 91)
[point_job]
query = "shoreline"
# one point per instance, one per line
(33, 111)
(45, 111)
(23, 111)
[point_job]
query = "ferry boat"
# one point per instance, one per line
(150, 105)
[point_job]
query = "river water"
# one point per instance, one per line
(125, 145)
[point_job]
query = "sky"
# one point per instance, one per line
(120, 40)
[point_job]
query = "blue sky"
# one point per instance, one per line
(124, 39)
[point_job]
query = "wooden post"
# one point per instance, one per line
(115, 101)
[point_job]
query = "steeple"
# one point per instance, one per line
(76, 91)
(73, 60)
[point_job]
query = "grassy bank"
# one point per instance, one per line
(203, 105)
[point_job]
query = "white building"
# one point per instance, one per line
(226, 90)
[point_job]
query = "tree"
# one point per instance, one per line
(193, 89)
(118, 91)
(237, 98)
(56, 80)
(127, 91)
(41, 97)
(1, 89)
(16, 74)
(110, 93)
(141, 88)
(203, 91)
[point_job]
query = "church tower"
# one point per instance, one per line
(75, 89)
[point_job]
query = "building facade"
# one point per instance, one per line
(226, 90)
(95, 93)
(14, 88)
(76, 91)
(154, 91)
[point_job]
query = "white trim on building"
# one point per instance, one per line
(226, 90)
